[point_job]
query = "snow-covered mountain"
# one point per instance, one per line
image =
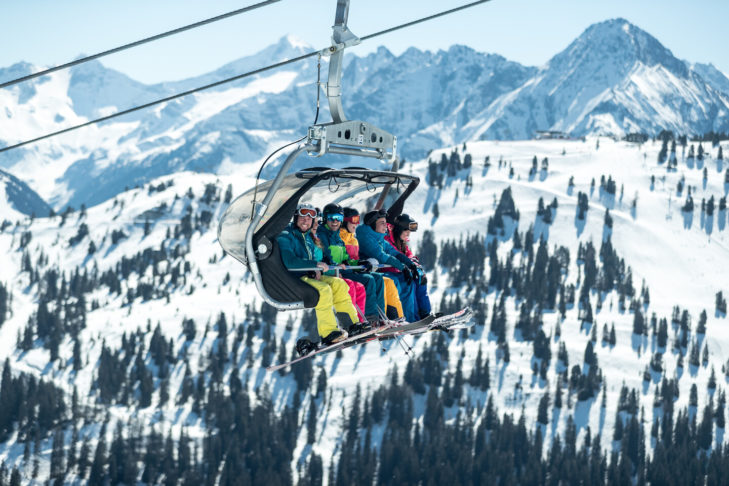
(149, 351)
(129, 340)
(613, 79)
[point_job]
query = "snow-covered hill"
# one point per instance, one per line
(159, 241)
(613, 79)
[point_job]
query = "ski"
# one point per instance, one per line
(457, 320)
(391, 329)
(350, 341)
(409, 326)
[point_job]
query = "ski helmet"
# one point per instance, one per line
(305, 209)
(404, 222)
(371, 217)
(351, 215)
(333, 209)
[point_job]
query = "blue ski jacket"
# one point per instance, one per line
(372, 245)
(297, 249)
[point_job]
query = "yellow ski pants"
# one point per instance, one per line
(333, 292)
(392, 298)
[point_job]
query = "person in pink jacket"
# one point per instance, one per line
(398, 235)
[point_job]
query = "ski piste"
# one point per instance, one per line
(351, 340)
(457, 320)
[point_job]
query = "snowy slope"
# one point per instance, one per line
(677, 255)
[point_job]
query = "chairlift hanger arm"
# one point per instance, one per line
(342, 38)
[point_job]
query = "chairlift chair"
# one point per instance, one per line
(249, 227)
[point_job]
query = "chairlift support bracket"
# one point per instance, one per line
(353, 137)
(342, 136)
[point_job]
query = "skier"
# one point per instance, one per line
(357, 291)
(398, 235)
(298, 251)
(393, 306)
(371, 237)
(335, 253)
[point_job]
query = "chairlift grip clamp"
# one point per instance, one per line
(318, 133)
(340, 46)
(259, 209)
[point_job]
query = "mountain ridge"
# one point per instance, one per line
(611, 80)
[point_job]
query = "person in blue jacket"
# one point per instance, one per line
(371, 237)
(299, 252)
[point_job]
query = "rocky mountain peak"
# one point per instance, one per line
(617, 43)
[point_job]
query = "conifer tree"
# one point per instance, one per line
(543, 409)
(57, 456)
(311, 423)
(97, 473)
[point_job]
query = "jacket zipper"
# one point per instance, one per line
(306, 246)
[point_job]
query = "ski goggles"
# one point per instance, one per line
(306, 212)
(352, 219)
(413, 226)
(335, 217)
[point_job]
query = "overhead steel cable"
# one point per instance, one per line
(137, 43)
(228, 80)
(163, 100)
(424, 19)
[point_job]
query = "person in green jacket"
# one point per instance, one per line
(335, 252)
(298, 255)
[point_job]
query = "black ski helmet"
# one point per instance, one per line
(404, 222)
(371, 217)
(349, 213)
(331, 208)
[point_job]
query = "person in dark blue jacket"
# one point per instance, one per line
(371, 237)
(299, 252)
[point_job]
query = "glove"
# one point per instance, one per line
(407, 274)
(366, 264)
(423, 279)
(413, 267)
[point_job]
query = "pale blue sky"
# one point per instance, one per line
(50, 32)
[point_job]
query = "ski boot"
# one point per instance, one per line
(359, 328)
(334, 337)
(304, 347)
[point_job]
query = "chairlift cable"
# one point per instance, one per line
(424, 19)
(228, 80)
(163, 100)
(137, 43)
